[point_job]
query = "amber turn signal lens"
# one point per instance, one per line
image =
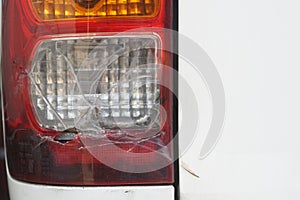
(70, 9)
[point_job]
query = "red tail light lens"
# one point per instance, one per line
(83, 102)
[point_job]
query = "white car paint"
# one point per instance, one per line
(25, 191)
(255, 45)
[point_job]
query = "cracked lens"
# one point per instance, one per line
(101, 83)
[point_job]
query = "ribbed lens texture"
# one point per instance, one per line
(101, 83)
(61, 9)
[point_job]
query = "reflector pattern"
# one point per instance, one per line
(98, 83)
(65, 9)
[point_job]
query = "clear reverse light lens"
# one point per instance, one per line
(99, 82)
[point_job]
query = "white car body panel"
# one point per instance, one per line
(25, 191)
(255, 45)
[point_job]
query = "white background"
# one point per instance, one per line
(255, 45)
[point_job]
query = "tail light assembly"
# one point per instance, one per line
(83, 92)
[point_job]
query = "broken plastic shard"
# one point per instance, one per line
(66, 135)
